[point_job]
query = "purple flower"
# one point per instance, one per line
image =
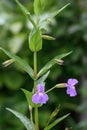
(71, 87)
(40, 96)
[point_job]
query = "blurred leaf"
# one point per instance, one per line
(26, 122)
(28, 95)
(24, 65)
(58, 11)
(56, 122)
(43, 78)
(35, 40)
(51, 63)
(43, 117)
(26, 13)
(48, 17)
(53, 114)
(38, 6)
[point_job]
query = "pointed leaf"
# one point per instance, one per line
(48, 17)
(28, 95)
(56, 122)
(43, 78)
(51, 63)
(53, 114)
(26, 13)
(26, 122)
(24, 65)
(35, 40)
(60, 10)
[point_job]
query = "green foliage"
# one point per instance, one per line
(26, 122)
(26, 13)
(38, 6)
(53, 114)
(56, 122)
(51, 63)
(42, 79)
(28, 97)
(35, 40)
(24, 65)
(69, 29)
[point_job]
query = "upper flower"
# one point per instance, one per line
(40, 96)
(71, 87)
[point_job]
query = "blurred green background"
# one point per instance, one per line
(70, 30)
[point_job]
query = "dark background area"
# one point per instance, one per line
(70, 30)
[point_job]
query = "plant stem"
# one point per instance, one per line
(61, 85)
(35, 83)
(31, 117)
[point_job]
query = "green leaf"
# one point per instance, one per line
(28, 95)
(48, 17)
(24, 65)
(43, 78)
(53, 114)
(35, 40)
(26, 122)
(51, 63)
(38, 6)
(58, 11)
(56, 122)
(26, 13)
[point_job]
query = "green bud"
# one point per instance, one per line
(48, 37)
(35, 40)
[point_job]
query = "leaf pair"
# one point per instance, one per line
(26, 67)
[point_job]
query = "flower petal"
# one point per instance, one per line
(35, 98)
(40, 98)
(72, 81)
(40, 88)
(71, 91)
(43, 98)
